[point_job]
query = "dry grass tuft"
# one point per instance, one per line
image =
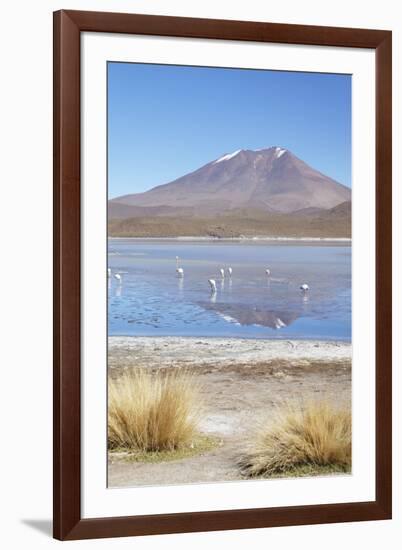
(316, 437)
(153, 412)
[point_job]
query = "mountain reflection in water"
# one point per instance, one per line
(252, 315)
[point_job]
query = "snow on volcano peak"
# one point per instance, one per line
(228, 156)
(279, 152)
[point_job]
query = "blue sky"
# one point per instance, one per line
(165, 121)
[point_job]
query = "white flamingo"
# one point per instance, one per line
(118, 277)
(268, 272)
(230, 271)
(212, 284)
(304, 287)
(222, 272)
(180, 272)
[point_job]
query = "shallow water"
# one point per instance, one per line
(151, 300)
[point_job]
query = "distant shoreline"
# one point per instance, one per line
(342, 240)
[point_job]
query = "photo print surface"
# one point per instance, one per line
(229, 274)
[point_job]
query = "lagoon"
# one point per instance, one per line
(152, 301)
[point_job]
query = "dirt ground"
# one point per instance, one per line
(236, 397)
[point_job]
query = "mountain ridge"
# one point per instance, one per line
(331, 223)
(271, 179)
(266, 192)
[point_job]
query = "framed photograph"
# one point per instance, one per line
(222, 268)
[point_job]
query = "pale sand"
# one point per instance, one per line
(242, 383)
(163, 351)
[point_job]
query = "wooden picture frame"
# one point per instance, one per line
(68, 26)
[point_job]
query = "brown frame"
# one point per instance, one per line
(67, 473)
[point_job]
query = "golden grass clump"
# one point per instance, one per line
(152, 412)
(316, 437)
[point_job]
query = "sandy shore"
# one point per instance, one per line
(171, 351)
(242, 382)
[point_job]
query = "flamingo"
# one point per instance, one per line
(230, 271)
(180, 272)
(267, 272)
(109, 272)
(222, 272)
(212, 284)
(118, 277)
(304, 287)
